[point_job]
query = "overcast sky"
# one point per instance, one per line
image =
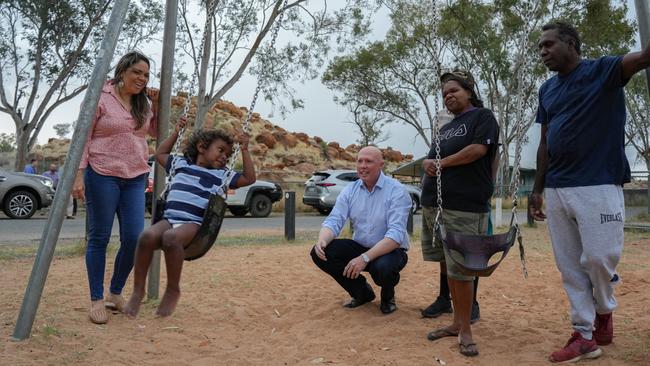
(320, 116)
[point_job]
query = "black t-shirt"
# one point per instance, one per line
(465, 187)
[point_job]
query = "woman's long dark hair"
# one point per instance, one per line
(140, 106)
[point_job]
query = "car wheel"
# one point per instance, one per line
(260, 206)
(414, 204)
(324, 210)
(20, 205)
(238, 211)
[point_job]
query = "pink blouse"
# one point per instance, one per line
(114, 147)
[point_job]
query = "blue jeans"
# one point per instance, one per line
(107, 196)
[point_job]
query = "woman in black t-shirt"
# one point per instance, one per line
(467, 150)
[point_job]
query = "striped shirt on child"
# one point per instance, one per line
(191, 187)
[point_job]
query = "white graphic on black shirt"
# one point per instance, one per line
(454, 132)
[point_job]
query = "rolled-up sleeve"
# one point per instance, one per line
(340, 213)
(397, 215)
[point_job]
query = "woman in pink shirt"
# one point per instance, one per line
(112, 176)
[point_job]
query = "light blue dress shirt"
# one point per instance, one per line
(375, 215)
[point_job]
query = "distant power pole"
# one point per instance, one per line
(643, 18)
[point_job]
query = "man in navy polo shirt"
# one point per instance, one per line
(581, 168)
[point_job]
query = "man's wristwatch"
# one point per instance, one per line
(365, 258)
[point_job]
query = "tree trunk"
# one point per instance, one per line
(22, 148)
(201, 112)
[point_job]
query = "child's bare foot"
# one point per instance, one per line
(133, 305)
(168, 302)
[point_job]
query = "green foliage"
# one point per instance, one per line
(7, 142)
(240, 42)
(495, 40)
(637, 128)
(48, 49)
(324, 147)
(604, 28)
(393, 77)
(62, 129)
(49, 330)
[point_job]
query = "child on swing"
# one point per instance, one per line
(198, 174)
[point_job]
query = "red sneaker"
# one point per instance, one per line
(576, 349)
(604, 332)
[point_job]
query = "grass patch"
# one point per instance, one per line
(264, 239)
(64, 248)
(643, 217)
(77, 248)
(49, 330)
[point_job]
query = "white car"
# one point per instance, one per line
(257, 198)
(322, 189)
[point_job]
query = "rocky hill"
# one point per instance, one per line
(279, 155)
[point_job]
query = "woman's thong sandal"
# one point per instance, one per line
(468, 349)
(441, 333)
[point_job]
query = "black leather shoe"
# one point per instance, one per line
(476, 313)
(437, 308)
(353, 303)
(388, 306)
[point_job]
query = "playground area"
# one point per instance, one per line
(258, 300)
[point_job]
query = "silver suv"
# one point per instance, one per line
(322, 189)
(21, 194)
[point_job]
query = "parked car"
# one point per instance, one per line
(21, 194)
(256, 199)
(322, 189)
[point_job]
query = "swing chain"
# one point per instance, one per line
(249, 113)
(522, 63)
(436, 122)
(519, 130)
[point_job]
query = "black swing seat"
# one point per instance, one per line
(209, 230)
(476, 249)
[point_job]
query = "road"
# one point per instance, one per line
(29, 231)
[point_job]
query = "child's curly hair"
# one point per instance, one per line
(204, 138)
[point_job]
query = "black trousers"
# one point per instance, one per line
(384, 270)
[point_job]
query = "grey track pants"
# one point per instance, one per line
(586, 227)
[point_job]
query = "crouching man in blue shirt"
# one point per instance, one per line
(378, 208)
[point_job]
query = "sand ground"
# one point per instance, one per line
(267, 304)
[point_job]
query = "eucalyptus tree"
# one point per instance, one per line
(233, 38)
(395, 77)
(495, 40)
(370, 125)
(637, 128)
(47, 49)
